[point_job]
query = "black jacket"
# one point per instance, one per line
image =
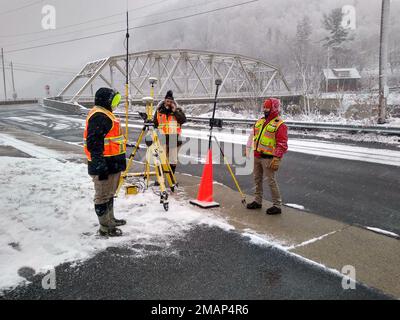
(98, 127)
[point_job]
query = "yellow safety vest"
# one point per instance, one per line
(264, 135)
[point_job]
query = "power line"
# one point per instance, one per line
(109, 24)
(42, 72)
(84, 22)
(41, 66)
(65, 41)
(22, 7)
(136, 27)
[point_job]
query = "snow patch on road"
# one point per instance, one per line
(261, 240)
(295, 206)
(48, 217)
(387, 233)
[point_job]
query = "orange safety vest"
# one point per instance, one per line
(167, 124)
(264, 135)
(114, 141)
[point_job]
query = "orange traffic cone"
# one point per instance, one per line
(205, 194)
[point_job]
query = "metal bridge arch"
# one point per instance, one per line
(190, 74)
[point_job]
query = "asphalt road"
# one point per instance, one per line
(354, 192)
(207, 263)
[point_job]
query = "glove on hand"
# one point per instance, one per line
(275, 162)
(101, 167)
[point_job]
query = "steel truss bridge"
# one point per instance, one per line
(190, 74)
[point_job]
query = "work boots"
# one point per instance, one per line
(107, 226)
(274, 210)
(254, 205)
(110, 208)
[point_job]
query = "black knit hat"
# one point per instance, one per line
(103, 97)
(169, 95)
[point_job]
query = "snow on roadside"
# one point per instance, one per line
(358, 137)
(262, 240)
(385, 232)
(295, 206)
(48, 217)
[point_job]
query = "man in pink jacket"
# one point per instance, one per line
(269, 142)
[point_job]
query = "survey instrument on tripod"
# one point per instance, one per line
(155, 158)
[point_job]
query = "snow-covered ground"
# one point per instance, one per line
(48, 217)
(345, 100)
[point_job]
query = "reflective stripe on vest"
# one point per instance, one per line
(114, 141)
(264, 135)
(168, 124)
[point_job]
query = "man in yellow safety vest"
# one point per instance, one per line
(269, 142)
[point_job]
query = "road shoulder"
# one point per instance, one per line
(375, 257)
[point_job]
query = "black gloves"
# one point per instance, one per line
(100, 167)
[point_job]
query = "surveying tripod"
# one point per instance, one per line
(155, 156)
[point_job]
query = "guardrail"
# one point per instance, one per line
(64, 106)
(378, 129)
(19, 101)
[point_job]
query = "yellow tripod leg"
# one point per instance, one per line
(170, 177)
(160, 178)
(124, 174)
(231, 172)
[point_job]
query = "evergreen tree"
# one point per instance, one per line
(337, 38)
(333, 24)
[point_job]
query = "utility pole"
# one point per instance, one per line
(13, 83)
(383, 61)
(4, 74)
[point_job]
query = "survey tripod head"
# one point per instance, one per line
(153, 81)
(149, 102)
